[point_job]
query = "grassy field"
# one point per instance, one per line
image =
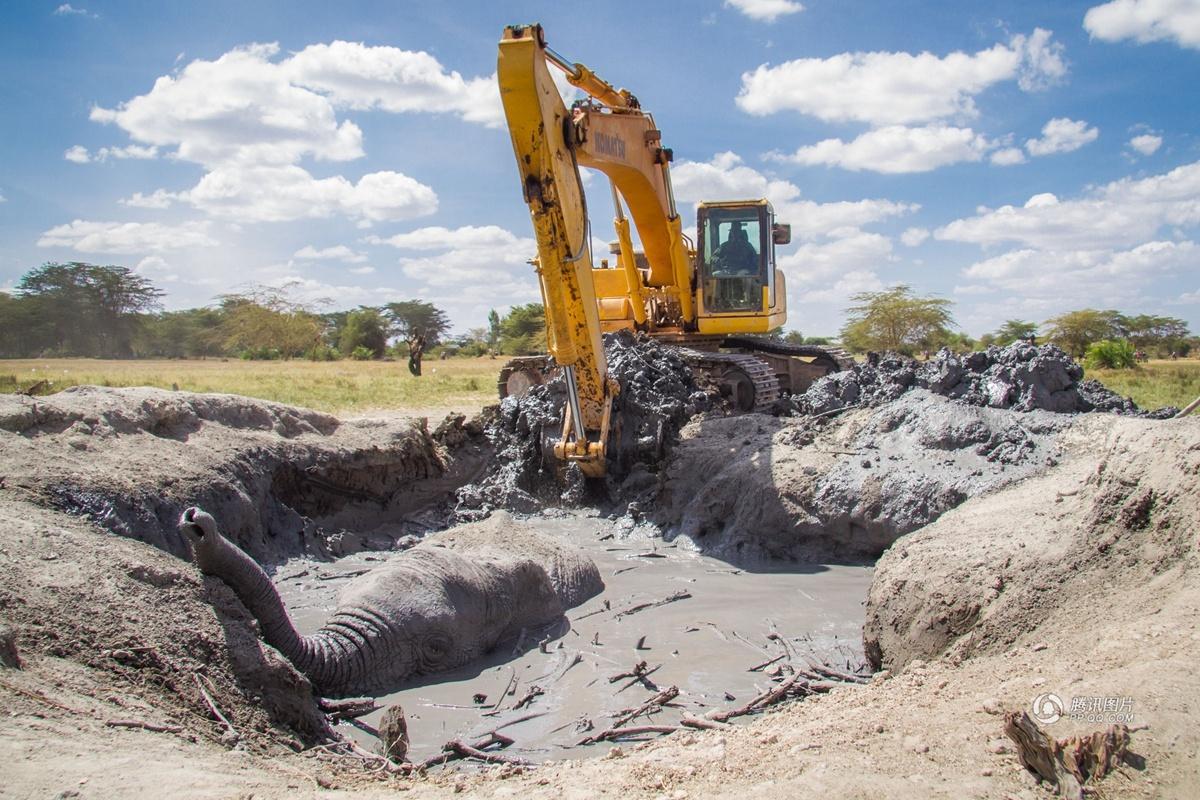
(1155, 383)
(463, 384)
(341, 387)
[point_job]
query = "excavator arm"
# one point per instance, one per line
(540, 126)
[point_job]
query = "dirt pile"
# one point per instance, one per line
(284, 481)
(807, 489)
(658, 395)
(1021, 377)
(1129, 514)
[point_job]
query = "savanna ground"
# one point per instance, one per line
(460, 384)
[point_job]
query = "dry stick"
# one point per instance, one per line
(767, 663)
(347, 709)
(511, 722)
(689, 721)
(620, 733)
(683, 595)
(146, 726)
(658, 701)
(845, 677)
(531, 695)
(212, 706)
(456, 749)
(466, 751)
(1192, 406)
(767, 698)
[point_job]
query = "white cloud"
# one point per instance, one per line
(281, 193)
(1186, 299)
(336, 253)
(240, 108)
(68, 10)
(3, 199)
(126, 238)
(765, 10)
(1008, 156)
(361, 270)
(912, 237)
(249, 119)
(156, 267)
(895, 88)
(856, 251)
(468, 237)
(897, 149)
(1052, 274)
(159, 199)
(1062, 135)
(1146, 21)
(726, 177)
(353, 75)
(1123, 213)
(1147, 143)
(80, 155)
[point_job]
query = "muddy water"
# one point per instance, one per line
(705, 643)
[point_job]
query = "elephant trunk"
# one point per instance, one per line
(315, 656)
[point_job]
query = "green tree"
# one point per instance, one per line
(89, 310)
(1161, 335)
(364, 328)
(1110, 354)
(264, 322)
(420, 325)
(894, 319)
(179, 334)
(1014, 330)
(523, 330)
(1076, 330)
(493, 328)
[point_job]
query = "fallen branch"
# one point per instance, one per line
(531, 695)
(682, 595)
(612, 734)
(844, 677)
(347, 709)
(689, 721)
(656, 702)
(146, 726)
(212, 706)
(640, 674)
(767, 663)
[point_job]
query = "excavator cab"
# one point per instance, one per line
(735, 259)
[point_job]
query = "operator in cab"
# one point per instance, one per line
(736, 255)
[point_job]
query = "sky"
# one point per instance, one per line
(1022, 159)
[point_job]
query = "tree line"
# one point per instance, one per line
(896, 319)
(87, 310)
(79, 309)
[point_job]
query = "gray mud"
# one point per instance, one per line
(705, 643)
(658, 395)
(756, 487)
(1021, 377)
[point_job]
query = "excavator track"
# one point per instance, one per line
(748, 382)
(827, 355)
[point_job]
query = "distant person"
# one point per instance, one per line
(736, 255)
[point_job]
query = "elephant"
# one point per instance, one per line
(432, 608)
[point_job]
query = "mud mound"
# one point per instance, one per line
(1121, 510)
(1021, 377)
(809, 489)
(284, 480)
(658, 395)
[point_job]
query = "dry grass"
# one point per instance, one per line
(339, 387)
(1155, 383)
(463, 384)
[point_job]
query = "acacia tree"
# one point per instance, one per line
(365, 328)
(895, 319)
(1014, 330)
(523, 330)
(420, 325)
(1075, 331)
(87, 309)
(264, 322)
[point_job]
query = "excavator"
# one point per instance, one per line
(709, 296)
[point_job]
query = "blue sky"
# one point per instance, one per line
(1020, 158)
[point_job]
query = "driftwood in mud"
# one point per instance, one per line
(1067, 763)
(153, 727)
(681, 595)
(347, 709)
(658, 701)
(456, 749)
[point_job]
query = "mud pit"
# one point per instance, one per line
(1000, 521)
(705, 644)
